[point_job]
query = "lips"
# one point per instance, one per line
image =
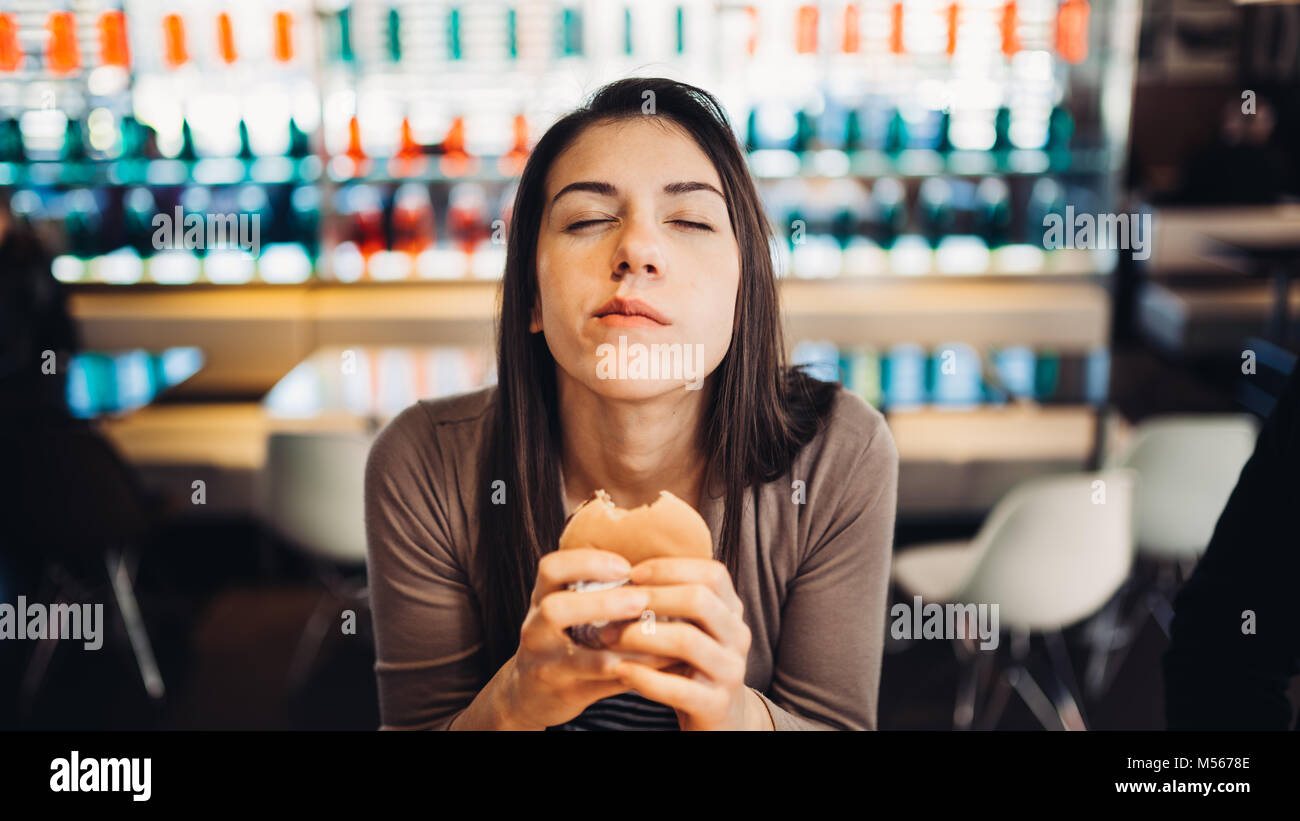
(630, 308)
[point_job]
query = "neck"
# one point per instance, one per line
(631, 449)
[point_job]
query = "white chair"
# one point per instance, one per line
(1186, 468)
(314, 500)
(1051, 553)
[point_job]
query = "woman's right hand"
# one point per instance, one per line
(553, 679)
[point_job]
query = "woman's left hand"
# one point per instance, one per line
(710, 693)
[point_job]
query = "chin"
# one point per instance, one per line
(635, 389)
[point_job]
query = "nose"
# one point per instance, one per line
(638, 250)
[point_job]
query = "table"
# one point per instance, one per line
(374, 383)
(1272, 250)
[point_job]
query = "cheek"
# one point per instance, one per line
(559, 284)
(713, 308)
(551, 284)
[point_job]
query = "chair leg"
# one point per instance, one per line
(1126, 634)
(124, 595)
(976, 668)
(37, 667)
(1064, 670)
(963, 713)
(1158, 605)
(1038, 702)
(1069, 704)
(997, 703)
(1102, 632)
(34, 674)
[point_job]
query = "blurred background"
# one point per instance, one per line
(188, 424)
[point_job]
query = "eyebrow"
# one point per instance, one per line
(605, 189)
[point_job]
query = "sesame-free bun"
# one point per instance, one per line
(667, 528)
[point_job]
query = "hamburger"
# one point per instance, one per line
(667, 528)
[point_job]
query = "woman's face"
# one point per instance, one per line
(634, 211)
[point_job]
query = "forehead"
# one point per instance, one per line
(642, 151)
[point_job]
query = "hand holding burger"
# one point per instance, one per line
(695, 615)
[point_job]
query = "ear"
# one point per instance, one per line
(535, 324)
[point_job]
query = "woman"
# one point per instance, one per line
(638, 203)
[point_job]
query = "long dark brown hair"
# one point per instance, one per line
(759, 413)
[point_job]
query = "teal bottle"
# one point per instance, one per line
(935, 212)
(245, 143)
(74, 144)
(570, 33)
(343, 36)
(1046, 197)
(134, 138)
(187, 152)
(993, 212)
(1060, 129)
(83, 222)
(298, 141)
(944, 144)
(896, 138)
(805, 131)
(304, 218)
(138, 209)
(453, 34)
(852, 131)
(393, 35)
(1002, 130)
(889, 211)
(195, 200)
(1047, 375)
(11, 142)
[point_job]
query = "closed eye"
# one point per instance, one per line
(695, 226)
(584, 223)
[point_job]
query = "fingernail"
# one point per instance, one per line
(620, 566)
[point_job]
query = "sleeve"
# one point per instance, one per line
(1234, 643)
(826, 673)
(426, 624)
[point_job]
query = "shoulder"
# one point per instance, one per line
(422, 471)
(844, 487)
(850, 470)
(445, 427)
(430, 450)
(855, 443)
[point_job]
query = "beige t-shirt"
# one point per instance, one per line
(813, 571)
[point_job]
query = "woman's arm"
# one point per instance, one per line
(826, 672)
(427, 631)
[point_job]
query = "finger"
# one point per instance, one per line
(685, 641)
(565, 608)
(593, 691)
(560, 568)
(700, 604)
(679, 692)
(709, 572)
(577, 663)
